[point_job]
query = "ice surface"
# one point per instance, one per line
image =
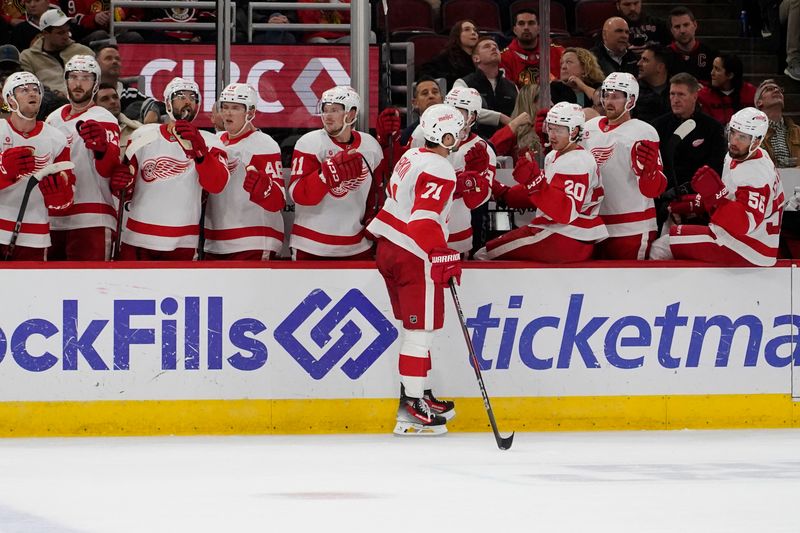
(680, 481)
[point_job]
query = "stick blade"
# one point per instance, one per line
(685, 128)
(504, 443)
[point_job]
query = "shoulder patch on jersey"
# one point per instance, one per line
(163, 168)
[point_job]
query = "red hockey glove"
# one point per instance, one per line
(541, 115)
(709, 186)
(687, 204)
(536, 184)
(388, 125)
(477, 159)
(121, 180)
(526, 169)
(445, 264)
(14, 163)
(57, 190)
(93, 135)
(343, 167)
(188, 132)
(647, 159)
(466, 182)
(257, 183)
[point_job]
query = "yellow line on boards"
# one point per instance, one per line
(261, 417)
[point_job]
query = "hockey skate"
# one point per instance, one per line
(415, 417)
(443, 408)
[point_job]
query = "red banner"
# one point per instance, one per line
(289, 79)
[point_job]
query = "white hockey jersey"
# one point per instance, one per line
(460, 223)
(233, 222)
(334, 226)
(165, 209)
(50, 146)
(625, 210)
(755, 184)
(94, 204)
(421, 187)
(574, 173)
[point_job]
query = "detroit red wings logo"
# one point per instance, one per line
(70, 139)
(601, 154)
(163, 168)
(39, 162)
(233, 164)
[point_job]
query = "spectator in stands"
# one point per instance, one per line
(520, 60)
(47, 56)
(92, 21)
(728, 92)
(186, 16)
(525, 108)
(108, 98)
(705, 145)
(653, 84)
(426, 94)
(789, 13)
(613, 54)
(499, 95)
(273, 36)
(133, 102)
(326, 16)
(455, 61)
(9, 64)
(782, 141)
(24, 33)
(11, 14)
(688, 53)
(645, 30)
(581, 76)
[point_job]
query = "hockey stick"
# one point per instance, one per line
(33, 181)
(142, 140)
(504, 443)
(680, 133)
(201, 230)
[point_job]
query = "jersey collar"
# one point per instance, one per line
(34, 132)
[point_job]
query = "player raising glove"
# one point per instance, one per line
(57, 190)
(647, 167)
(262, 191)
(121, 180)
(388, 125)
(342, 172)
(188, 132)
(477, 159)
(14, 163)
(94, 136)
(709, 186)
(445, 264)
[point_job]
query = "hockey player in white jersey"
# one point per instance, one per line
(169, 176)
(628, 160)
(335, 183)
(745, 204)
(83, 232)
(244, 221)
(567, 195)
(416, 264)
(29, 146)
(475, 164)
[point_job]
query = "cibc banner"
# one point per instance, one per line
(289, 79)
(297, 333)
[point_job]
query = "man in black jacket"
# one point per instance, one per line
(612, 54)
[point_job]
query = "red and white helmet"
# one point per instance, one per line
(439, 120)
(81, 63)
(177, 85)
(750, 121)
(239, 93)
(465, 98)
(18, 79)
(569, 115)
(342, 94)
(624, 82)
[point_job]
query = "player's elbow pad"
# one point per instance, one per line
(732, 217)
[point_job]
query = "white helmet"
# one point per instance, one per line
(18, 79)
(569, 115)
(439, 120)
(239, 93)
(177, 85)
(81, 63)
(750, 121)
(342, 94)
(465, 98)
(624, 82)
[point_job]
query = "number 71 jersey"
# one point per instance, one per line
(421, 187)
